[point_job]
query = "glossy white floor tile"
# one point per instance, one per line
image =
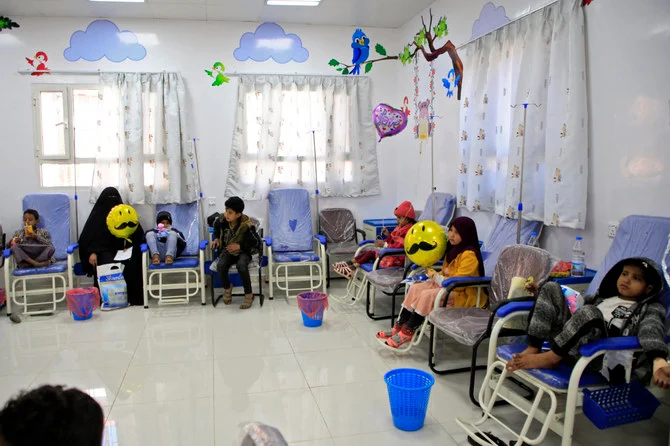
(192, 375)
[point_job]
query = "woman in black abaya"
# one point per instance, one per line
(97, 246)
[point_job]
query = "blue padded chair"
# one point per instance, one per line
(503, 234)
(292, 244)
(187, 273)
(637, 236)
(54, 210)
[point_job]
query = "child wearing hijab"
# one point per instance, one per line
(463, 259)
(98, 246)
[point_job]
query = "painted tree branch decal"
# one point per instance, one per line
(424, 42)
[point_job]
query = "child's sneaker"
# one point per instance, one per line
(402, 337)
(387, 334)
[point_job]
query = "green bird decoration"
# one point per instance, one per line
(7, 23)
(217, 73)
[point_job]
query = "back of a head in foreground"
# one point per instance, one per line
(51, 415)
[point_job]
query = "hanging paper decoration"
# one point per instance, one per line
(103, 38)
(405, 108)
(271, 41)
(39, 62)
(389, 121)
(423, 111)
(217, 73)
(490, 18)
(450, 82)
(7, 23)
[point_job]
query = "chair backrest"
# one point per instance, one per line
(186, 218)
(637, 236)
(290, 220)
(54, 210)
(338, 225)
(445, 206)
(522, 261)
(503, 234)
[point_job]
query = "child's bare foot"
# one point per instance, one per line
(169, 260)
(156, 259)
(528, 351)
(546, 360)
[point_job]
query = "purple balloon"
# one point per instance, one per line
(389, 121)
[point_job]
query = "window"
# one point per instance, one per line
(67, 128)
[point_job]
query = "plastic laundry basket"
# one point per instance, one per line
(614, 406)
(312, 304)
(82, 302)
(409, 392)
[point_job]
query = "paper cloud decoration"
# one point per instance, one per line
(271, 41)
(489, 19)
(103, 38)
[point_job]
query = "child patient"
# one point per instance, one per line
(31, 246)
(165, 242)
(626, 304)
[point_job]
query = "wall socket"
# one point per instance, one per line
(211, 202)
(612, 227)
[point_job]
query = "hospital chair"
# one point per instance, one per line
(439, 205)
(186, 276)
(339, 227)
(563, 387)
(292, 245)
(55, 279)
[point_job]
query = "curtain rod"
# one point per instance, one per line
(509, 23)
(231, 74)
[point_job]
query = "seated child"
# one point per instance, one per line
(626, 304)
(238, 241)
(463, 259)
(406, 217)
(165, 242)
(31, 246)
(51, 415)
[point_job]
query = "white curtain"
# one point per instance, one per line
(273, 139)
(145, 149)
(539, 60)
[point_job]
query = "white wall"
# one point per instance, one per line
(188, 47)
(629, 114)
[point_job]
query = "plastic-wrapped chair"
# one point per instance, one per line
(339, 227)
(190, 265)
(54, 210)
(292, 244)
(386, 280)
(503, 234)
(637, 236)
(472, 326)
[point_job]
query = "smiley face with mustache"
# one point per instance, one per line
(425, 243)
(122, 221)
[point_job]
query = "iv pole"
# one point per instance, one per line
(316, 183)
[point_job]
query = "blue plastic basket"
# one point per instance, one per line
(409, 392)
(618, 405)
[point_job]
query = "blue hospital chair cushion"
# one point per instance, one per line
(186, 218)
(557, 378)
(54, 210)
(367, 267)
(284, 257)
(180, 262)
(290, 220)
(54, 268)
(445, 205)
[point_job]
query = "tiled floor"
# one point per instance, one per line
(191, 375)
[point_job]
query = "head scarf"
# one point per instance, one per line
(469, 241)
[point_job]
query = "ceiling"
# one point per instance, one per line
(368, 13)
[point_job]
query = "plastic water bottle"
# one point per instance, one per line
(532, 241)
(578, 255)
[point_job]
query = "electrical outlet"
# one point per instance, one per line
(612, 227)
(212, 202)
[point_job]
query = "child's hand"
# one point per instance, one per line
(533, 288)
(385, 232)
(379, 243)
(430, 272)
(215, 243)
(662, 373)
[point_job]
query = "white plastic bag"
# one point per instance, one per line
(113, 290)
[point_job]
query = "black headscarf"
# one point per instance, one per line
(469, 241)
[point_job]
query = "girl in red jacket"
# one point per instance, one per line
(405, 217)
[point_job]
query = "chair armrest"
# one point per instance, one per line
(144, 247)
(517, 304)
(203, 245)
(391, 252)
(321, 238)
(6, 253)
(267, 240)
(72, 248)
(460, 282)
(361, 232)
(365, 242)
(617, 343)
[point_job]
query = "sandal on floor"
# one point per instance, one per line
(156, 259)
(399, 339)
(228, 296)
(248, 301)
(388, 334)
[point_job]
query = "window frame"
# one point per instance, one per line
(70, 157)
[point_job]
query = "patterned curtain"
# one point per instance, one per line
(279, 121)
(538, 60)
(144, 149)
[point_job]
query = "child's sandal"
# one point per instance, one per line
(248, 301)
(399, 339)
(228, 296)
(388, 334)
(156, 259)
(169, 260)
